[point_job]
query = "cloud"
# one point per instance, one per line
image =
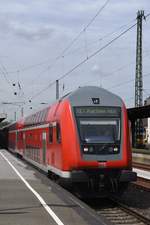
(31, 32)
(95, 69)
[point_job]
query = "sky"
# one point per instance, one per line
(41, 40)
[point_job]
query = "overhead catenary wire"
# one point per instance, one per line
(85, 28)
(49, 67)
(5, 75)
(100, 38)
(107, 75)
(71, 43)
(32, 66)
(144, 90)
(126, 82)
(85, 48)
(82, 62)
(68, 47)
(4, 72)
(123, 67)
(85, 60)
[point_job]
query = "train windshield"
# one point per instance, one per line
(100, 130)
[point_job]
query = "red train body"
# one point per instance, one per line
(84, 137)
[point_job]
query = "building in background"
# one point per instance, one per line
(146, 124)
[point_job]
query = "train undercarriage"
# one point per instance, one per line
(89, 183)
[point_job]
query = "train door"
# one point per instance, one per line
(44, 146)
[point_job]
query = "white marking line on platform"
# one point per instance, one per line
(43, 203)
(142, 173)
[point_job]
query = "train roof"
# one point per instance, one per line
(83, 96)
(89, 95)
(37, 118)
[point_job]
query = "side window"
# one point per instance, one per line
(17, 136)
(50, 134)
(58, 133)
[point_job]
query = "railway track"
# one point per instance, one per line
(119, 214)
(142, 183)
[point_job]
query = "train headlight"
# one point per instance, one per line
(89, 149)
(85, 149)
(115, 149)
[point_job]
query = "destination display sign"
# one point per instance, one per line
(97, 111)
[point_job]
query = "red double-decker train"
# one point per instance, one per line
(82, 138)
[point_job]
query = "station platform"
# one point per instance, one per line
(142, 173)
(142, 156)
(28, 197)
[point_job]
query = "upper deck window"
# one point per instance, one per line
(58, 133)
(50, 134)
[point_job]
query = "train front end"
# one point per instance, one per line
(103, 135)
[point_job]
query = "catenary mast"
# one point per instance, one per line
(139, 79)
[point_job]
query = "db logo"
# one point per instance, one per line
(102, 164)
